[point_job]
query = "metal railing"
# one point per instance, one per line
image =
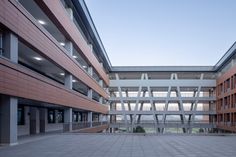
(81, 125)
(167, 124)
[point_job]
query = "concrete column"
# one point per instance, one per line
(70, 13)
(69, 48)
(8, 120)
(91, 47)
(43, 120)
(68, 80)
(34, 120)
(68, 76)
(10, 45)
(101, 83)
(101, 100)
(68, 117)
(90, 93)
(101, 118)
(90, 70)
(90, 118)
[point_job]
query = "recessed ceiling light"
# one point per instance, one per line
(84, 66)
(41, 22)
(74, 81)
(75, 57)
(62, 74)
(38, 58)
(62, 44)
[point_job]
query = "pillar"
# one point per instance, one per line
(70, 13)
(8, 104)
(8, 120)
(68, 118)
(68, 76)
(101, 118)
(101, 100)
(10, 46)
(69, 47)
(90, 118)
(68, 80)
(101, 83)
(90, 70)
(90, 93)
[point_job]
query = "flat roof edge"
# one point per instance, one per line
(162, 69)
(94, 31)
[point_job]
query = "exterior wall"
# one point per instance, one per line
(25, 83)
(49, 127)
(21, 82)
(57, 14)
(11, 12)
(226, 100)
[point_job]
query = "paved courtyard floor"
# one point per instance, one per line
(98, 145)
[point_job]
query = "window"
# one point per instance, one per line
(20, 116)
(95, 117)
(60, 116)
(84, 117)
(51, 116)
(75, 116)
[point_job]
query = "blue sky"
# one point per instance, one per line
(164, 32)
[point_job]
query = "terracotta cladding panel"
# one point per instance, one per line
(26, 28)
(226, 100)
(226, 75)
(57, 12)
(21, 82)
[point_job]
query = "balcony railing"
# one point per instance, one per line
(82, 125)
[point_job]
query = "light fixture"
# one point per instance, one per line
(62, 44)
(38, 58)
(74, 81)
(84, 66)
(62, 74)
(41, 22)
(75, 56)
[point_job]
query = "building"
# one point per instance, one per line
(55, 75)
(52, 71)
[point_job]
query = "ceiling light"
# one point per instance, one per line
(41, 22)
(38, 58)
(75, 57)
(62, 44)
(62, 74)
(84, 66)
(74, 81)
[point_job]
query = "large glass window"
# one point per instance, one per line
(60, 116)
(20, 116)
(76, 116)
(51, 116)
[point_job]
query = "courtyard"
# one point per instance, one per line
(122, 145)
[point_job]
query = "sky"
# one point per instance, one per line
(164, 32)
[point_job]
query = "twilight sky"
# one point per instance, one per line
(164, 32)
